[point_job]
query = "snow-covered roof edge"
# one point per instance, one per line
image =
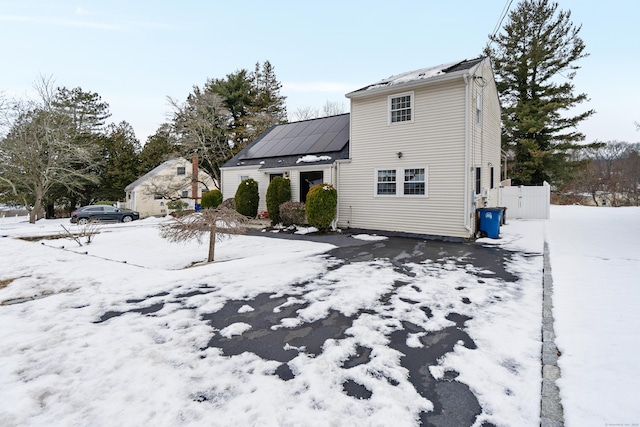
(438, 72)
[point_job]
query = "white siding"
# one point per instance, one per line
(142, 196)
(435, 139)
(231, 178)
(444, 121)
(485, 135)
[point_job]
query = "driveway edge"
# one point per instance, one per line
(551, 412)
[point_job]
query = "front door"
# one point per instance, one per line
(308, 180)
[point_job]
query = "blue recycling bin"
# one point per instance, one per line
(490, 219)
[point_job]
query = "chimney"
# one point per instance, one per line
(194, 178)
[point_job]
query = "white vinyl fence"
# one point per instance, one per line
(526, 202)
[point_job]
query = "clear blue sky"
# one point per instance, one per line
(136, 53)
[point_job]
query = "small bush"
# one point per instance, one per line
(178, 207)
(278, 192)
(322, 200)
(292, 213)
(247, 198)
(211, 199)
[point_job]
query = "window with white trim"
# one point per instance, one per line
(401, 182)
(185, 193)
(386, 182)
(478, 180)
(181, 170)
(414, 181)
(401, 108)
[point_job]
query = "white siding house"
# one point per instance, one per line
(172, 180)
(417, 142)
(417, 154)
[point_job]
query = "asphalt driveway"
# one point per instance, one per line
(454, 404)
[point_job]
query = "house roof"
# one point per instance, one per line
(317, 141)
(155, 171)
(418, 76)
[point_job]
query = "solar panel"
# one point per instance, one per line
(307, 137)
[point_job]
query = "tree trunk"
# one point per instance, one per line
(212, 242)
(37, 207)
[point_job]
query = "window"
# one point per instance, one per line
(479, 107)
(386, 184)
(157, 196)
(401, 108)
(181, 171)
(401, 182)
(243, 177)
(414, 181)
(478, 180)
(185, 193)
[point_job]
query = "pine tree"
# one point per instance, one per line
(122, 162)
(535, 59)
(237, 92)
(268, 107)
(160, 147)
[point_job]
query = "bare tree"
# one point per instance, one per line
(305, 113)
(328, 109)
(217, 223)
(332, 108)
(38, 153)
(202, 123)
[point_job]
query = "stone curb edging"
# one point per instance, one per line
(551, 412)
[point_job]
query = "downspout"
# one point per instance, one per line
(466, 154)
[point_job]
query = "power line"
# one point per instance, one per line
(502, 16)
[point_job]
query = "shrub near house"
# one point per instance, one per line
(211, 199)
(292, 213)
(247, 198)
(321, 206)
(279, 191)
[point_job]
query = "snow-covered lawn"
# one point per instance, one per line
(120, 335)
(595, 261)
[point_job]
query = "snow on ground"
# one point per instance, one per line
(63, 361)
(595, 262)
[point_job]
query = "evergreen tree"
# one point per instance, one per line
(268, 107)
(122, 162)
(535, 59)
(237, 92)
(160, 147)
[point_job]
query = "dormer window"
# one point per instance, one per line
(401, 108)
(181, 171)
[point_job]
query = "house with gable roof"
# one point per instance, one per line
(417, 154)
(171, 180)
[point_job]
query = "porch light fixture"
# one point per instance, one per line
(399, 154)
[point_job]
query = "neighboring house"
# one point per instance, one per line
(172, 180)
(420, 154)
